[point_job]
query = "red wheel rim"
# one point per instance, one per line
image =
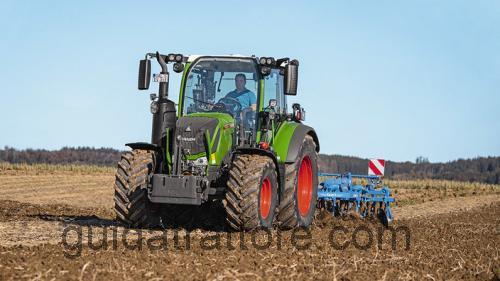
(305, 186)
(265, 198)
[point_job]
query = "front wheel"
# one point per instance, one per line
(298, 203)
(132, 206)
(251, 194)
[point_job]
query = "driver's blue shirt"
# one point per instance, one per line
(246, 98)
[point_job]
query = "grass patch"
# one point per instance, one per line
(440, 185)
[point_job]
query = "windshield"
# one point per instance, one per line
(227, 85)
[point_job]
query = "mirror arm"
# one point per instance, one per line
(163, 87)
(163, 64)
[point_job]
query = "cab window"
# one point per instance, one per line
(273, 89)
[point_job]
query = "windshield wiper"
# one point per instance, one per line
(220, 81)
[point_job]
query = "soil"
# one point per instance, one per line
(59, 235)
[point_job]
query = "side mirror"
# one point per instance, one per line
(291, 77)
(144, 74)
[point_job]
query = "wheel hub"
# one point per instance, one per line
(304, 188)
(265, 198)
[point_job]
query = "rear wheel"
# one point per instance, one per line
(132, 206)
(298, 204)
(251, 195)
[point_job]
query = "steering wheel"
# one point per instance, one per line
(229, 104)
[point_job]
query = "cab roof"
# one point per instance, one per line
(191, 58)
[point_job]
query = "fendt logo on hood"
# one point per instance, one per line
(187, 139)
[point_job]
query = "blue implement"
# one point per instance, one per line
(338, 194)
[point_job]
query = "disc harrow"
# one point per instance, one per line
(341, 196)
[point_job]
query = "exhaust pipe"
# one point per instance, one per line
(166, 116)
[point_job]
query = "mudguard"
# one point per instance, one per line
(143, 146)
(298, 136)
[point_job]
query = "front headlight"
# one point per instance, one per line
(154, 107)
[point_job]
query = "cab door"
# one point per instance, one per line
(273, 89)
(273, 104)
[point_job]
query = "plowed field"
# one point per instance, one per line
(57, 223)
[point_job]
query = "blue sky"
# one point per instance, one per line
(390, 79)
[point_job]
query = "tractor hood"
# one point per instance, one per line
(195, 133)
(198, 133)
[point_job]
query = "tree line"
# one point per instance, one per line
(481, 169)
(65, 155)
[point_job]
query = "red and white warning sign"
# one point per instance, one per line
(376, 167)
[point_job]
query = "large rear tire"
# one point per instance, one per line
(298, 203)
(251, 193)
(132, 206)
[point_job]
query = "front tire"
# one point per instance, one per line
(298, 204)
(251, 194)
(132, 206)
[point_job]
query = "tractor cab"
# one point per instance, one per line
(248, 89)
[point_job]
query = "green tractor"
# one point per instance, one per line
(230, 139)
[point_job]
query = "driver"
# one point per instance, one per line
(246, 97)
